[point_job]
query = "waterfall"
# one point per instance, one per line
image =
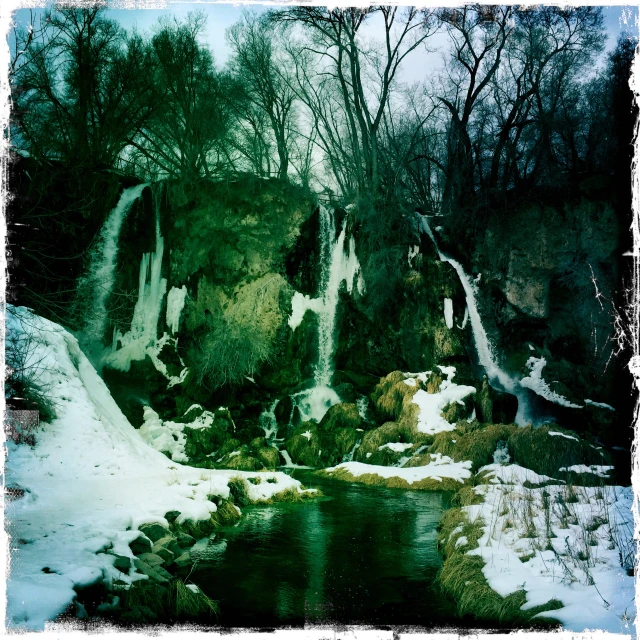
(484, 348)
(338, 264)
(144, 324)
(98, 284)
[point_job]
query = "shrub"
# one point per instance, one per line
(24, 387)
(228, 351)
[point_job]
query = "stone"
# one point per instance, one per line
(158, 574)
(343, 415)
(171, 516)
(185, 540)
(141, 544)
(122, 563)
(154, 531)
(152, 559)
(165, 546)
(183, 560)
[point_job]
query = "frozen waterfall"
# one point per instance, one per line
(98, 283)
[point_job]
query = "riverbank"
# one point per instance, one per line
(83, 489)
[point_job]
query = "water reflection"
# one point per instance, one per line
(362, 555)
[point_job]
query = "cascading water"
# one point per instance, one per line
(484, 348)
(337, 265)
(98, 284)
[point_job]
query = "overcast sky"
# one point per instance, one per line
(220, 16)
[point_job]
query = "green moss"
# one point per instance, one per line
(472, 442)
(535, 449)
(341, 416)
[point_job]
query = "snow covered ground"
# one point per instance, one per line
(439, 467)
(573, 544)
(89, 483)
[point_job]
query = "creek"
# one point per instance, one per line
(358, 555)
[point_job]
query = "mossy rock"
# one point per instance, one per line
(268, 456)
(372, 440)
(202, 442)
(341, 416)
(306, 450)
(536, 449)
(456, 411)
(392, 395)
(472, 441)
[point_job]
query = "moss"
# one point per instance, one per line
(239, 491)
(268, 456)
(372, 440)
(471, 442)
(341, 416)
(535, 449)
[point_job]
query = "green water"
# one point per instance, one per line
(362, 555)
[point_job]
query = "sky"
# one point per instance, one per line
(221, 16)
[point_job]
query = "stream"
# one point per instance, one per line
(359, 555)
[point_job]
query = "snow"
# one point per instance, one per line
(599, 470)
(581, 569)
(431, 405)
(498, 473)
(398, 447)
(448, 312)
(537, 383)
(410, 382)
(307, 435)
(175, 303)
(439, 467)
(602, 405)
(90, 482)
(564, 435)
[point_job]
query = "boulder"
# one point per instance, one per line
(343, 415)
(185, 540)
(268, 456)
(154, 531)
(121, 563)
(141, 544)
(171, 516)
(167, 548)
(183, 560)
(157, 573)
(152, 559)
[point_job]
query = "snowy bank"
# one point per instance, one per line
(567, 551)
(89, 483)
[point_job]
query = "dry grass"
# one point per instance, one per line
(461, 576)
(372, 479)
(535, 449)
